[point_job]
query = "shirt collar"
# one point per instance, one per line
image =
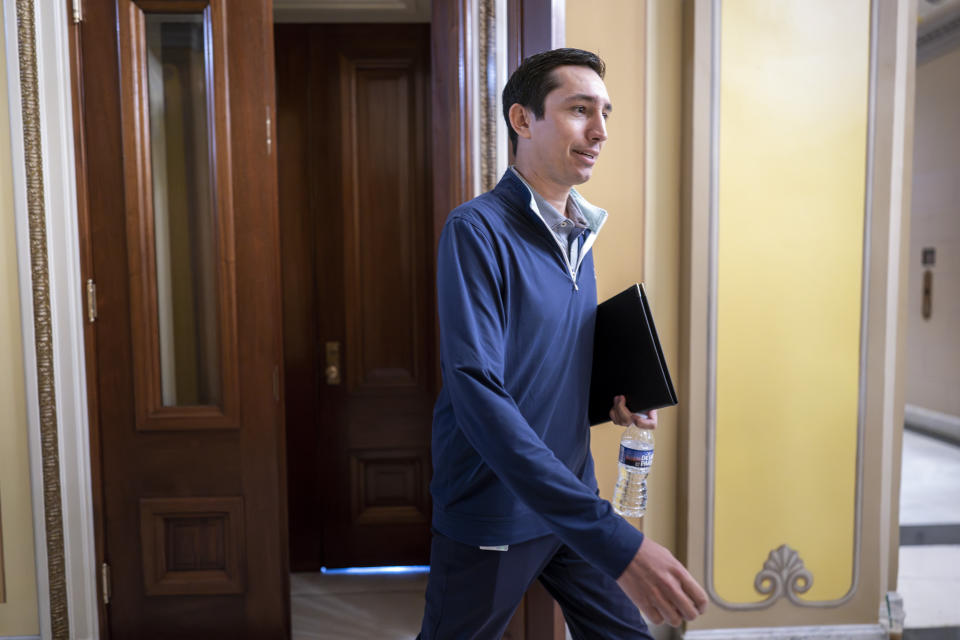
(592, 217)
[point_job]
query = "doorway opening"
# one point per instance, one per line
(356, 236)
(930, 464)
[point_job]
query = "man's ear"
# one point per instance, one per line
(520, 119)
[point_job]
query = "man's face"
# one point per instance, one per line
(566, 143)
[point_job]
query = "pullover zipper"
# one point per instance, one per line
(587, 244)
(566, 264)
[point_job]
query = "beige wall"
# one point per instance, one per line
(18, 613)
(664, 111)
(638, 181)
(881, 408)
(933, 346)
(616, 34)
(652, 241)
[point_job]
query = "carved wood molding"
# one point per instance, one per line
(454, 105)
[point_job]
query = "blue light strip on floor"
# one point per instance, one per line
(367, 571)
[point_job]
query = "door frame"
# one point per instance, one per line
(52, 315)
(52, 257)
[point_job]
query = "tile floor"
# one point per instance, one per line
(390, 606)
(929, 480)
(347, 607)
(929, 576)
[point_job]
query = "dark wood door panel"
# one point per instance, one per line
(383, 213)
(193, 513)
(356, 98)
(192, 546)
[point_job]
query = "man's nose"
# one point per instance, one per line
(598, 128)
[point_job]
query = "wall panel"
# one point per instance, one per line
(799, 119)
(793, 110)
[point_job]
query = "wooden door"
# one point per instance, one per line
(357, 237)
(177, 159)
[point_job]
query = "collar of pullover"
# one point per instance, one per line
(515, 188)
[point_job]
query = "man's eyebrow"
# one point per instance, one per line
(583, 97)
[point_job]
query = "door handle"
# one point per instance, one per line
(332, 370)
(926, 308)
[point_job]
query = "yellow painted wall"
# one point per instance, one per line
(18, 614)
(793, 123)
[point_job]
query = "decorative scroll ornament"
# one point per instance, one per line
(783, 574)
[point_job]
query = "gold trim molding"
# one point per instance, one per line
(43, 334)
(487, 42)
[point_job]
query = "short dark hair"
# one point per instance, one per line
(529, 85)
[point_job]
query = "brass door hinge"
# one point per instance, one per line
(77, 12)
(91, 300)
(269, 132)
(105, 582)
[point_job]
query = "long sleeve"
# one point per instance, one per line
(473, 325)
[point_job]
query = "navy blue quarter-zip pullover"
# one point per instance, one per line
(511, 439)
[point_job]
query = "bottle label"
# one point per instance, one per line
(640, 458)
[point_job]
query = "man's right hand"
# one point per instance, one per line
(661, 587)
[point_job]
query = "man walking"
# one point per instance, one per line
(514, 490)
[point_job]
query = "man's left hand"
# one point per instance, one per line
(622, 416)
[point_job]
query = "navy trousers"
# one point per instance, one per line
(472, 593)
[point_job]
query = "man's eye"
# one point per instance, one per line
(606, 115)
(580, 109)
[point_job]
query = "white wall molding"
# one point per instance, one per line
(897, 155)
(829, 632)
(66, 313)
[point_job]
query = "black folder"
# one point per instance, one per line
(627, 358)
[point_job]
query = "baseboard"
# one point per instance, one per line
(826, 632)
(19, 637)
(935, 423)
(924, 534)
(934, 633)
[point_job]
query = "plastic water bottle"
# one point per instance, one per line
(636, 458)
